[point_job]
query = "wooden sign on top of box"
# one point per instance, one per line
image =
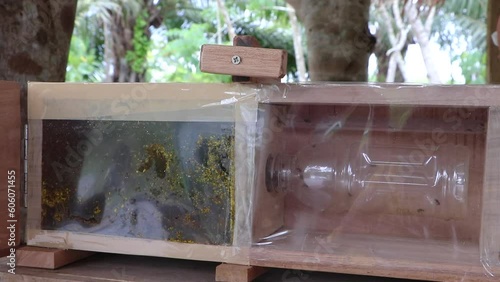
(243, 61)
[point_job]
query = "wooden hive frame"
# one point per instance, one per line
(76, 106)
(349, 249)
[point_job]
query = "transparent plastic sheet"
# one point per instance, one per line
(146, 169)
(384, 180)
(388, 180)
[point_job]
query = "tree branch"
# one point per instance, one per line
(401, 65)
(401, 43)
(419, 31)
(297, 43)
(388, 21)
(397, 14)
(227, 19)
(297, 6)
(430, 19)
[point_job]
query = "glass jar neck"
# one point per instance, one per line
(281, 172)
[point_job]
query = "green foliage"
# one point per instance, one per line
(195, 24)
(172, 52)
(178, 59)
(463, 23)
(263, 12)
(137, 58)
(83, 64)
(462, 20)
(473, 66)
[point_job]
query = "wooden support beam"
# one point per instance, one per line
(48, 258)
(10, 166)
(493, 68)
(237, 273)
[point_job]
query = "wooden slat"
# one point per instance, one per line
(10, 159)
(255, 62)
(386, 94)
(374, 255)
(120, 268)
(237, 273)
(48, 258)
(268, 208)
(490, 224)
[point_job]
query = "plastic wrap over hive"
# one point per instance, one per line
(148, 169)
(387, 180)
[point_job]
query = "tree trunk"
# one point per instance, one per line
(297, 43)
(422, 34)
(230, 29)
(338, 40)
(383, 63)
(119, 42)
(392, 42)
(34, 45)
(122, 43)
(34, 39)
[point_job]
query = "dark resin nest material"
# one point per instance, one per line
(157, 180)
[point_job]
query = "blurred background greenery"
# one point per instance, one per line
(159, 40)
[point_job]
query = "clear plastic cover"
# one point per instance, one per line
(377, 180)
(145, 179)
(388, 180)
(140, 168)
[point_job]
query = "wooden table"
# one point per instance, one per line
(110, 267)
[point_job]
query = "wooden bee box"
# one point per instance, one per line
(146, 169)
(182, 171)
(373, 232)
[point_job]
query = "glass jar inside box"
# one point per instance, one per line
(372, 178)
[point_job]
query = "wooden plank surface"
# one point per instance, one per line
(254, 62)
(10, 160)
(48, 258)
(237, 273)
(137, 101)
(373, 255)
(490, 223)
(268, 208)
(493, 67)
(120, 268)
(384, 94)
